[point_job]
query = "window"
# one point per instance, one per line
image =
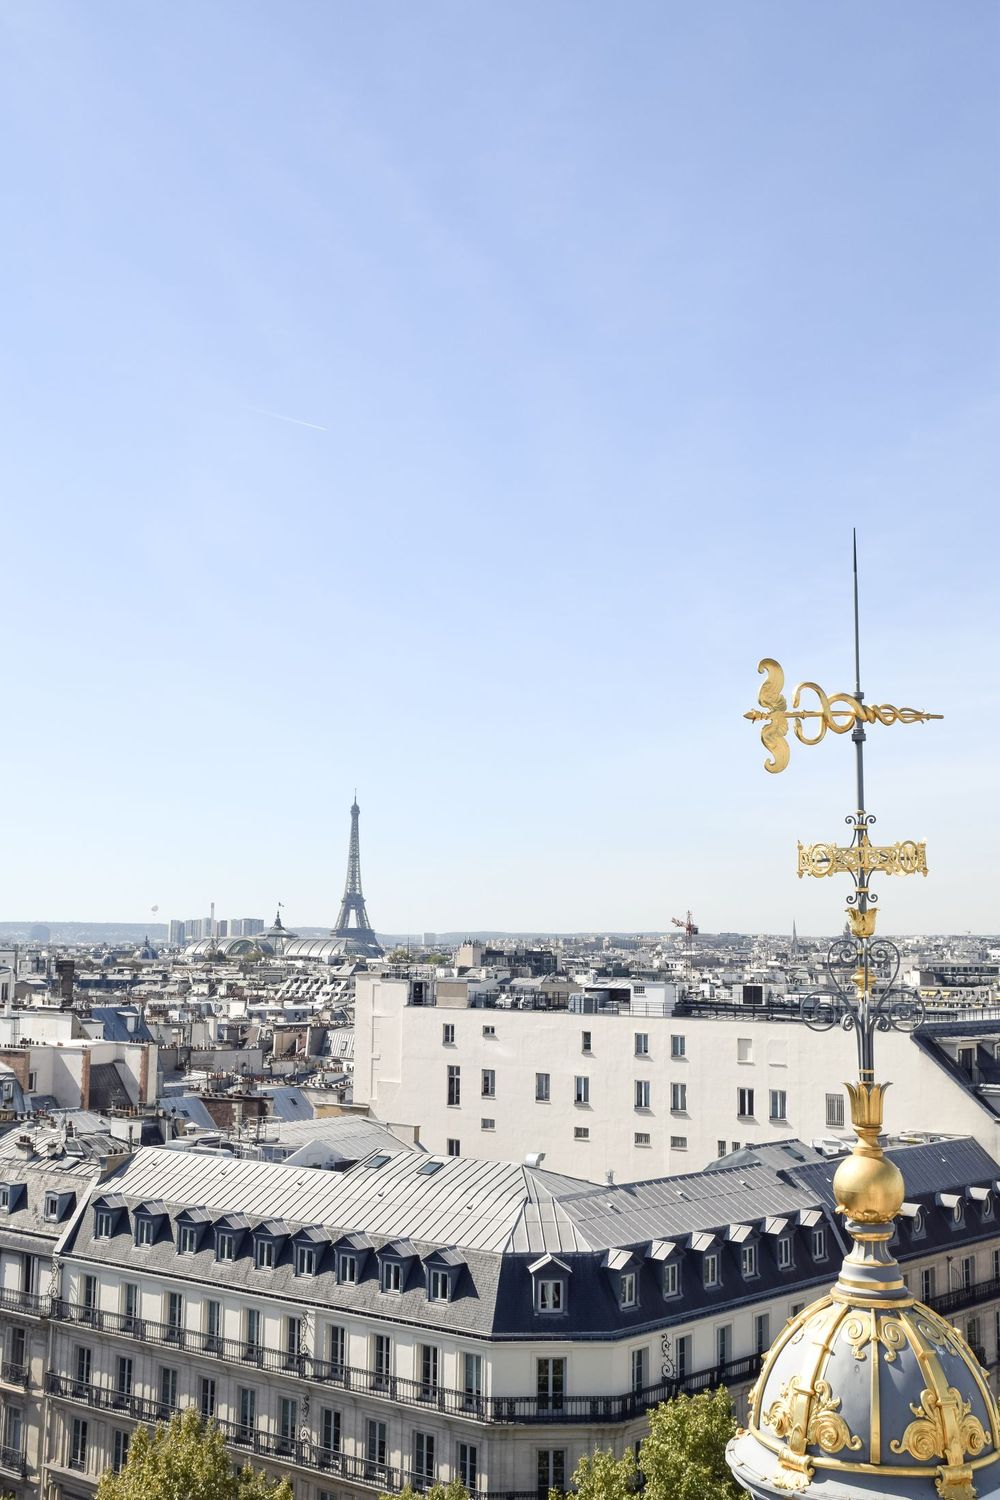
(744, 1103)
(448, 1034)
(144, 1231)
(175, 1314)
(710, 1268)
(130, 1306)
(818, 1244)
(671, 1279)
(581, 1090)
(550, 1384)
(119, 1456)
(928, 1283)
(542, 1087)
(744, 1049)
(338, 1349)
(32, 1082)
(678, 1098)
(968, 1271)
(454, 1086)
(213, 1324)
(642, 1044)
(376, 1447)
(723, 1343)
(246, 1401)
(996, 1274)
(438, 1286)
(643, 1093)
(468, 1465)
(88, 1297)
(643, 1138)
(678, 1143)
(83, 1366)
(4, 1197)
(777, 1105)
(254, 1325)
(761, 1332)
(784, 1252)
(123, 1376)
(986, 1207)
(472, 1379)
(678, 1046)
(549, 1296)
(918, 1224)
(640, 1370)
(51, 1207)
(487, 1123)
(748, 1260)
(288, 1421)
(187, 1239)
(628, 1296)
(429, 1362)
(293, 1342)
(347, 1268)
(78, 1444)
(581, 1132)
(454, 1147)
(835, 1111)
(682, 1359)
(382, 1362)
(306, 1260)
(720, 1148)
(330, 1429)
(585, 1039)
(206, 1397)
(489, 1083)
(263, 1255)
(489, 1031)
(796, 1308)
(225, 1246)
(391, 1276)
(958, 1215)
(551, 1469)
(168, 1388)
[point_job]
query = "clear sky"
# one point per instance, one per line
(455, 401)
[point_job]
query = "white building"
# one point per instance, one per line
(640, 1090)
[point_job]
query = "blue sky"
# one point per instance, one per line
(611, 322)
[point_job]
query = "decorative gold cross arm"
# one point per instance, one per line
(864, 858)
(838, 712)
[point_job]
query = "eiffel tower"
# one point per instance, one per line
(360, 938)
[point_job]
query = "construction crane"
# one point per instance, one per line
(688, 925)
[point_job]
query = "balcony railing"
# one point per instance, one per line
(960, 1297)
(12, 1461)
(30, 1303)
(13, 1374)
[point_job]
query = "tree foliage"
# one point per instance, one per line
(454, 1490)
(683, 1457)
(186, 1459)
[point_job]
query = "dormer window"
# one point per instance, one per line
(103, 1220)
(748, 1261)
(549, 1295)
(263, 1255)
(4, 1198)
(958, 1215)
(671, 1279)
(225, 1245)
(785, 1252)
(818, 1244)
(918, 1224)
(187, 1239)
(144, 1231)
(347, 1269)
(51, 1211)
(628, 1289)
(306, 1260)
(986, 1207)
(438, 1286)
(710, 1268)
(391, 1276)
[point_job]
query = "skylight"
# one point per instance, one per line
(375, 1162)
(429, 1168)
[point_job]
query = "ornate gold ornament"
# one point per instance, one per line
(838, 712)
(944, 1427)
(809, 1415)
(864, 858)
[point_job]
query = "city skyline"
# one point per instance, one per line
(459, 409)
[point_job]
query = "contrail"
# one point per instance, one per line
(277, 415)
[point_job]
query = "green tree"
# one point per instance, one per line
(683, 1457)
(453, 1490)
(186, 1457)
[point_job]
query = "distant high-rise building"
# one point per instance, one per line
(430, 938)
(221, 927)
(177, 934)
(245, 926)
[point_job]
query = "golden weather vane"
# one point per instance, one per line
(838, 712)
